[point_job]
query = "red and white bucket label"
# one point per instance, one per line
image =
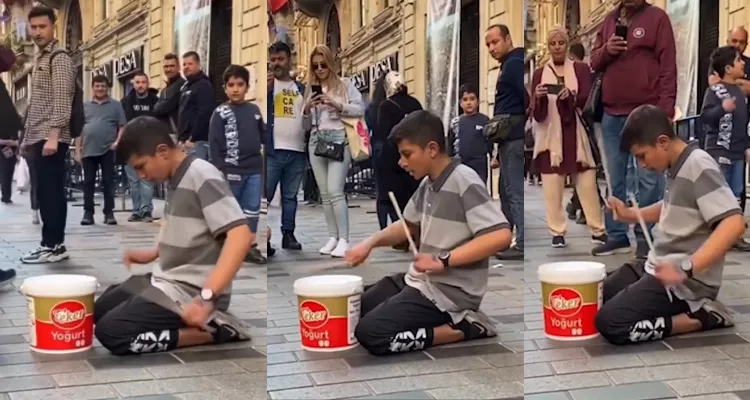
(328, 323)
(61, 325)
(570, 310)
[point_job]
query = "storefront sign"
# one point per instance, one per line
(129, 63)
(383, 66)
(104, 69)
(361, 80)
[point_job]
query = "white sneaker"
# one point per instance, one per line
(341, 248)
(328, 248)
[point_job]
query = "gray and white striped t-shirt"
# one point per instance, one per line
(697, 198)
(200, 210)
(451, 211)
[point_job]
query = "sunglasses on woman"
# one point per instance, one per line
(320, 66)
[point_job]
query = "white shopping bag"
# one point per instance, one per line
(21, 175)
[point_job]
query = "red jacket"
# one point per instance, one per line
(646, 73)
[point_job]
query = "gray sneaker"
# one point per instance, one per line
(483, 324)
(721, 316)
(234, 329)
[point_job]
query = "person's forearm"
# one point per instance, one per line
(481, 248)
(54, 134)
(119, 134)
(649, 214)
(392, 235)
(726, 234)
(78, 143)
(236, 247)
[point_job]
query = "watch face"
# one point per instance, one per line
(207, 294)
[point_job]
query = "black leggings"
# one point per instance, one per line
(636, 306)
(397, 318)
(128, 324)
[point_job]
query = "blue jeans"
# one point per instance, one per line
(331, 176)
(511, 164)
(199, 150)
(647, 185)
(735, 176)
(247, 189)
(141, 192)
(286, 168)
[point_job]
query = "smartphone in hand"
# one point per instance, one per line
(554, 89)
(622, 31)
(317, 90)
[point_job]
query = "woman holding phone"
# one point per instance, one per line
(328, 98)
(562, 146)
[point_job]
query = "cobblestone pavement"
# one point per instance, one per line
(227, 372)
(710, 365)
(483, 369)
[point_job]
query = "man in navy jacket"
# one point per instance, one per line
(509, 100)
(196, 106)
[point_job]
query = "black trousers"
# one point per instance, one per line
(397, 318)
(50, 179)
(636, 306)
(128, 324)
(7, 167)
(91, 165)
(33, 183)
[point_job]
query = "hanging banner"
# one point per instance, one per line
(192, 28)
(685, 17)
(442, 58)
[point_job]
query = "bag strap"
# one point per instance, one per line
(398, 106)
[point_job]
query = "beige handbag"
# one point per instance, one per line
(358, 136)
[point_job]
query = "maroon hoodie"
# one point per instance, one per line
(7, 58)
(646, 73)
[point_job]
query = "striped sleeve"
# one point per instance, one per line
(713, 196)
(483, 214)
(219, 206)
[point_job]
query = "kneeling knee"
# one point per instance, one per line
(367, 339)
(106, 333)
(608, 329)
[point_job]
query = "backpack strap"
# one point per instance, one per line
(53, 55)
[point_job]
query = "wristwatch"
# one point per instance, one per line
(687, 267)
(207, 296)
(445, 258)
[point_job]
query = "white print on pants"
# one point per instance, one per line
(149, 343)
(647, 330)
(407, 341)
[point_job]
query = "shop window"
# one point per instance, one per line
(220, 39)
(105, 9)
(362, 13)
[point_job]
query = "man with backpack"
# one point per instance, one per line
(54, 119)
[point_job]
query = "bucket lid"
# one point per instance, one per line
(572, 272)
(59, 285)
(328, 285)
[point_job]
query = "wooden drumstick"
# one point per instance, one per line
(396, 207)
(642, 222)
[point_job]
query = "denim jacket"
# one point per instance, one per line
(269, 131)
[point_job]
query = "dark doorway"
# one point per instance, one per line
(708, 41)
(220, 55)
(469, 48)
(333, 31)
(74, 37)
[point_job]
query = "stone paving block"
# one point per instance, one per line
(251, 364)
(657, 373)
(12, 339)
(743, 395)
(95, 392)
(711, 385)
(449, 352)
(554, 355)
(195, 369)
(18, 384)
(490, 391)
(159, 397)
(547, 396)
(216, 355)
(637, 391)
(440, 366)
(537, 370)
(609, 350)
(164, 386)
(421, 382)
(357, 374)
(280, 358)
(243, 382)
(416, 395)
(141, 361)
(306, 367)
(504, 360)
(565, 382)
(223, 395)
(288, 382)
(494, 375)
(341, 391)
(736, 351)
(8, 371)
(361, 361)
(705, 341)
(722, 396)
(101, 377)
(596, 364)
(682, 356)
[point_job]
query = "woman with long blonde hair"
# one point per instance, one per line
(328, 98)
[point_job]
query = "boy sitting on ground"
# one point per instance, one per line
(201, 248)
(674, 291)
(235, 136)
(460, 226)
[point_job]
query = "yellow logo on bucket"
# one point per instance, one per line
(68, 314)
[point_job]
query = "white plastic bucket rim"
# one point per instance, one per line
(329, 286)
(59, 286)
(572, 272)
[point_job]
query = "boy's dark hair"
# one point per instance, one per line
(723, 57)
(644, 125)
(100, 79)
(280, 47)
(172, 56)
(468, 88)
(43, 11)
(236, 71)
(420, 127)
(577, 50)
(192, 54)
(141, 137)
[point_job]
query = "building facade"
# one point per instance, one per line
(375, 36)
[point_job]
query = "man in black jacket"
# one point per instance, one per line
(11, 124)
(140, 102)
(509, 100)
(168, 106)
(196, 106)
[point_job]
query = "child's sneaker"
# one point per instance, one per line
(7, 276)
(229, 328)
(481, 326)
(714, 315)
